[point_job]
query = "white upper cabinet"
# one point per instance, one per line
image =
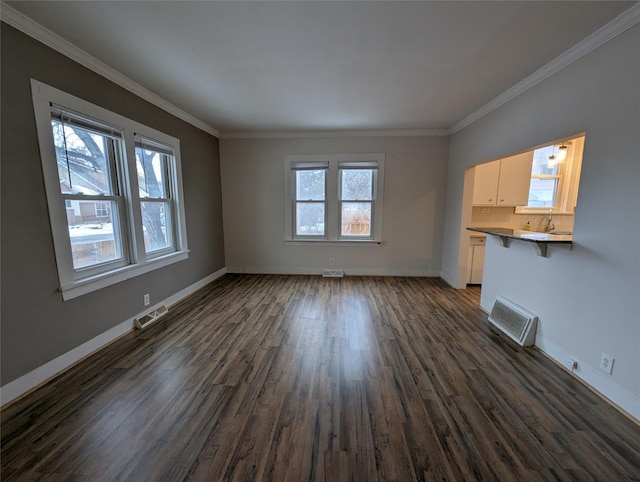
(485, 184)
(504, 182)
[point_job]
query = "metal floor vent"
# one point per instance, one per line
(514, 321)
(150, 317)
(332, 273)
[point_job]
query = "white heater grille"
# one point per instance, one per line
(514, 321)
(146, 319)
(332, 273)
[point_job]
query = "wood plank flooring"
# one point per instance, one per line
(296, 378)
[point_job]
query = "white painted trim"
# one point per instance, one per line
(26, 25)
(347, 271)
(335, 133)
(624, 21)
(600, 382)
(37, 377)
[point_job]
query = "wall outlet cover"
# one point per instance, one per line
(606, 363)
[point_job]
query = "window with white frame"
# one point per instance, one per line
(334, 198)
(102, 211)
(310, 198)
(113, 190)
(555, 176)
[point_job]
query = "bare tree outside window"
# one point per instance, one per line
(155, 198)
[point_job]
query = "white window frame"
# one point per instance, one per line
(568, 180)
(333, 229)
(100, 206)
(297, 166)
(73, 283)
(170, 187)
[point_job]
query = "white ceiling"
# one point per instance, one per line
(306, 65)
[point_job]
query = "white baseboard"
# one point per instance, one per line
(347, 271)
(600, 382)
(35, 378)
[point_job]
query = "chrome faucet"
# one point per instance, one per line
(549, 222)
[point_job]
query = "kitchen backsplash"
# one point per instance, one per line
(505, 217)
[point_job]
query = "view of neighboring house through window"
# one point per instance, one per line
(334, 197)
(86, 155)
(102, 210)
(111, 218)
(357, 189)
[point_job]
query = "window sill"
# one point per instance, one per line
(526, 210)
(103, 280)
(333, 242)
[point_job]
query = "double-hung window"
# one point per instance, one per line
(87, 154)
(357, 197)
(555, 177)
(154, 164)
(310, 198)
(113, 190)
(545, 178)
(334, 198)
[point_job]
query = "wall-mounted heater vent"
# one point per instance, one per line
(150, 317)
(332, 273)
(514, 321)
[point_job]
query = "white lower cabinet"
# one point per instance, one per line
(475, 262)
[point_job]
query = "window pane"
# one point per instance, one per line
(541, 164)
(93, 239)
(309, 219)
(356, 219)
(152, 173)
(357, 184)
(310, 185)
(156, 223)
(82, 160)
(542, 192)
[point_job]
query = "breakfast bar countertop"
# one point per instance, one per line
(541, 240)
(532, 236)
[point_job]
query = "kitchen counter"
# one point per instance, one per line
(541, 240)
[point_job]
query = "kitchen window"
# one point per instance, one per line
(113, 190)
(334, 198)
(555, 176)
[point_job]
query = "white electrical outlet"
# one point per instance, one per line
(147, 300)
(606, 363)
(332, 261)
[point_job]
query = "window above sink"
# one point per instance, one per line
(555, 177)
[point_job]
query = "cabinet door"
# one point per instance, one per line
(477, 264)
(485, 184)
(515, 179)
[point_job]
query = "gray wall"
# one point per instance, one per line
(37, 326)
(254, 207)
(588, 299)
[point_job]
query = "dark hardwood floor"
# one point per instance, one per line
(304, 378)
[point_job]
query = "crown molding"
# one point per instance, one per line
(334, 133)
(26, 25)
(624, 21)
(33, 29)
